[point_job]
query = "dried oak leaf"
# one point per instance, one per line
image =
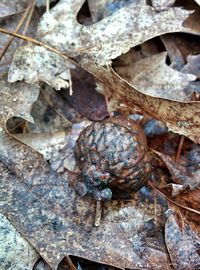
(100, 9)
(34, 64)
(162, 4)
(182, 243)
(47, 144)
(42, 206)
(193, 65)
(108, 39)
(182, 175)
(15, 251)
(10, 7)
(156, 78)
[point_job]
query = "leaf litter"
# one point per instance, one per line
(36, 195)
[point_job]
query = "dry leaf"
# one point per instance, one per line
(193, 65)
(15, 251)
(47, 144)
(34, 64)
(107, 39)
(182, 243)
(55, 221)
(154, 77)
(6, 10)
(162, 4)
(10, 7)
(187, 176)
(100, 9)
(179, 117)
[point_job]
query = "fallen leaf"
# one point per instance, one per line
(85, 100)
(48, 118)
(156, 78)
(41, 3)
(47, 212)
(171, 112)
(34, 64)
(183, 248)
(117, 27)
(161, 5)
(192, 65)
(15, 251)
(47, 144)
(6, 10)
(100, 9)
(9, 8)
(186, 176)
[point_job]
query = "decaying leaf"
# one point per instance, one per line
(193, 65)
(45, 143)
(156, 78)
(10, 7)
(55, 221)
(100, 9)
(186, 176)
(182, 243)
(15, 251)
(119, 27)
(42, 64)
(6, 10)
(182, 118)
(162, 4)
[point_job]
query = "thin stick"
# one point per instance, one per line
(168, 199)
(47, 6)
(16, 30)
(70, 263)
(180, 146)
(70, 83)
(182, 138)
(98, 213)
(29, 19)
(37, 42)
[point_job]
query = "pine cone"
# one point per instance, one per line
(112, 154)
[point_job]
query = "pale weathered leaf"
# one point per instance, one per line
(100, 9)
(15, 251)
(154, 77)
(48, 144)
(197, 1)
(112, 36)
(61, 22)
(34, 64)
(193, 65)
(106, 40)
(162, 4)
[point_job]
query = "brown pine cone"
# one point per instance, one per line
(112, 154)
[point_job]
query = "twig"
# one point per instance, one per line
(180, 146)
(29, 19)
(39, 43)
(98, 213)
(70, 263)
(47, 6)
(170, 200)
(16, 30)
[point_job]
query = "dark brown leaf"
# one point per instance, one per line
(42, 206)
(186, 176)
